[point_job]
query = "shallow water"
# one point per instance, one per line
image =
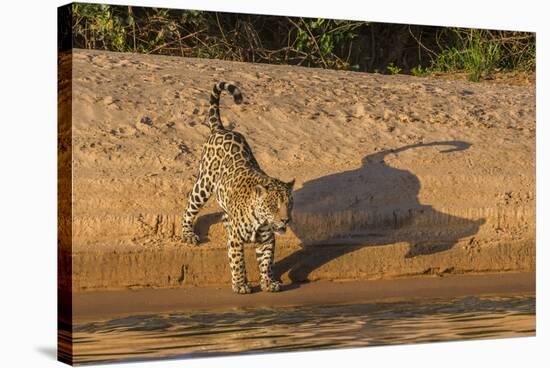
(184, 335)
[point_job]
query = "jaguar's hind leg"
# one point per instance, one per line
(202, 190)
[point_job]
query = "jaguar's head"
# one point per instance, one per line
(274, 204)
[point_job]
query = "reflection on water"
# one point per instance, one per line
(181, 335)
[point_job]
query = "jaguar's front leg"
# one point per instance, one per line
(236, 262)
(265, 253)
(196, 199)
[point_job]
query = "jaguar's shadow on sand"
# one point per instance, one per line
(371, 206)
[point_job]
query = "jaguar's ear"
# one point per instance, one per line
(260, 190)
(290, 184)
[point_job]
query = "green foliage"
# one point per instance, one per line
(325, 39)
(119, 28)
(312, 42)
(326, 43)
(100, 26)
(393, 69)
(418, 71)
(474, 53)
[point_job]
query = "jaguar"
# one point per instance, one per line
(255, 205)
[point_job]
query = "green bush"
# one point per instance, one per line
(99, 27)
(474, 53)
(418, 71)
(316, 42)
(393, 69)
(480, 53)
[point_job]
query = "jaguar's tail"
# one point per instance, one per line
(214, 120)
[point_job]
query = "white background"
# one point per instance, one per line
(28, 181)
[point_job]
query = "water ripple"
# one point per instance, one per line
(301, 328)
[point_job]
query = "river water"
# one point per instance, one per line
(185, 335)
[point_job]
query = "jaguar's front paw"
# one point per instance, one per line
(190, 237)
(242, 289)
(270, 286)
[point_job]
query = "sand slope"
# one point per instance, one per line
(395, 175)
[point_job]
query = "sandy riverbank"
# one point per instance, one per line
(395, 175)
(94, 306)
